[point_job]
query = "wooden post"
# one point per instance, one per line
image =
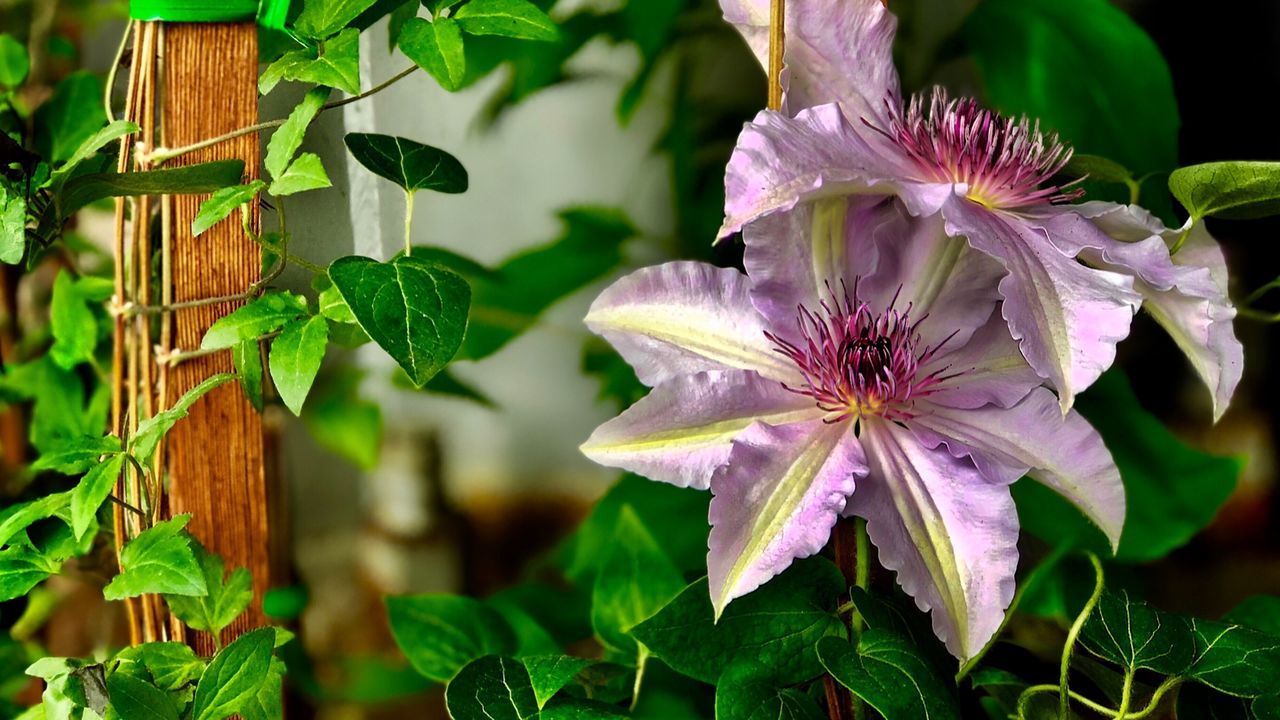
(215, 457)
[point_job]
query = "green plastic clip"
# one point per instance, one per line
(269, 13)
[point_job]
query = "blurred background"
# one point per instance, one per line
(632, 116)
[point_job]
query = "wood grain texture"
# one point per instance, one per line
(216, 456)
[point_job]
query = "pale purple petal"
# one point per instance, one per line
(781, 161)
(949, 533)
(776, 500)
(683, 430)
(987, 369)
(1066, 317)
(836, 51)
(1064, 453)
(682, 318)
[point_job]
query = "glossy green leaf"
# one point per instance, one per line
(507, 18)
(152, 430)
(91, 145)
(295, 359)
(74, 328)
(1173, 490)
(528, 283)
(171, 664)
(14, 61)
(1236, 190)
(635, 580)
(1136, 635)
(13, 224)
(266, 314)
(414, 311)
(329, 301)
(1266, 707)
(439, 634)
(222, 203)
(491, 688)
(22, 568)
(437, 47)
(1084, 69)
(228, 596)
(159, 560)
(572, 708)
(286, 140)
(235, 676)
(246, 358)
(549, 674)
(335, 64)
(773, 628)
(740, 696)
(92, 491)
(192, 179)
(70, 116)
(1233, 659)
(411, 165)
(342, 421)
(1097, 167)
(1259, 612)
(73, 457)
(268, 703)
(321, 18)
(305, 173)
(138, 700)
(397, 19)
(16, 518)
(888, 674)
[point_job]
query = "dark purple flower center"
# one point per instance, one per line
(856, 362)
(1006, 162)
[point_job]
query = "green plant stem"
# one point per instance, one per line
(1024, 701)
(1126, 695)
(408, 223)
(126, 506)
(1064, 669)
(1182, 238)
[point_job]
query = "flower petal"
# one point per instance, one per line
(949, 533)
(776, 500)
(836, 51)
(1066, 317)
(1064, 453)
(683, 430)
(987, 369)
(781, 161)
(682, 318)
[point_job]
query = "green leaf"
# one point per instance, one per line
(445, 384)
(549, 674)
(222, 203)
(1136, 635)
(1173, 490)
(1233, 659)
(330, 303)
(618, 381)
(295, 359)
(14, 61)
(528, 283)
(172, 664)
(306, 173)
(740, 696)
(414, 311)
(491, 688)
(70, 116)
(411, 165)
(137, 700)
(396, 21)
(235, 676)
(246, 358)
(75, 331)
(1266, 708)
(13, 225)
(16, 518)
(286, 140)
(1235, 190)
(1099, 168)
(1084, 69)
(437, 47)
(343, 422)
(887, 673)
(93, 144)
(1259, 612)
(775, 628)
(227, 598)
(72, 457)
(92, 491)
(336, 64)
(571, 708)
(22, 568)
(193, 179)
(266, 314)
(635, 580)
(507, 18)
(159, 560)
(321, 18)
(152, 430)
(439, 634)
(268, 703)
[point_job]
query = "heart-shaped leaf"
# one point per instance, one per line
(437, 48)
(887, 673)
(415, 311)
(1237, 190)
(411, 165)
(295, 359)
(507, 18)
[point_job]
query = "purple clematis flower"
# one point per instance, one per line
(881, 383)
(1073, 278)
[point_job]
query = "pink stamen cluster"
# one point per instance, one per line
(1006, 162)
(857, 363)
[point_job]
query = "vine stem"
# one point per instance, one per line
(777, 33)
(1126, 695)
(1064, 669)
(162, 155)
(408, 223)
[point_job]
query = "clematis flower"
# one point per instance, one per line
(881, 383)
(1070, 287)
